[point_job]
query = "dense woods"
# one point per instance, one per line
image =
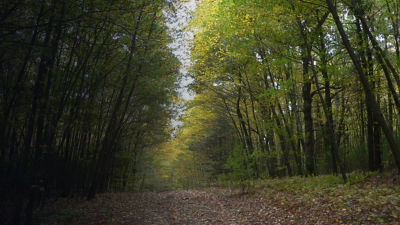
(86, 93)
(89, 95)
(294, 87)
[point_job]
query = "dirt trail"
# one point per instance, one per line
(191, 207)
(374, 201)
(197, 207)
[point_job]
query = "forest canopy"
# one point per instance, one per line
(298, 88)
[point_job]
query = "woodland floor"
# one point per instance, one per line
(374, 201)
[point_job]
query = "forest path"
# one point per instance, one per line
(369, 202)
(199, 207)
(191, 207)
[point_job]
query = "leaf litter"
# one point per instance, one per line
(364, 203)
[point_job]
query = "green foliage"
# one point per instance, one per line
(359, 176)
(358, 155)
(239, 170)
(300, 184)
(238, 164)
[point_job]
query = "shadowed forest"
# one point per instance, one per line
(293, 114)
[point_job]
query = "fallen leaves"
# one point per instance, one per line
(336, 204)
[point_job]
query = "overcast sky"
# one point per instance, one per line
(181, 48)
(182, 39)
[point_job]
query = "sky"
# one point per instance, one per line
(181, 41)
(181, 49)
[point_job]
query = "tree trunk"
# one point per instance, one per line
(368, 92)
(308, 120)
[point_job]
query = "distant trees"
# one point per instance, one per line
(85, 88)
(309, 84)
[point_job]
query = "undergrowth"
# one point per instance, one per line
(366, 197)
